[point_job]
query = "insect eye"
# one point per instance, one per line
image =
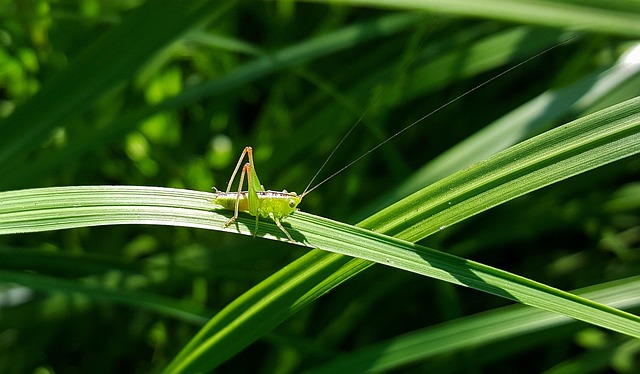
(292, 204)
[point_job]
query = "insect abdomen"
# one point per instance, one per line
(228, 200)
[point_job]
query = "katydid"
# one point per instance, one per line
(279, 205)
(256, 200)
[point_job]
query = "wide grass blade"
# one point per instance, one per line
(69, 207)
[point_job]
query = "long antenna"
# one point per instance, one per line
(360, 119)
(308, 190)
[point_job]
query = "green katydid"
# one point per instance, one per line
(256, 200)
(278, 205)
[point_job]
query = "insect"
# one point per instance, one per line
(279, 205)
(256, 200)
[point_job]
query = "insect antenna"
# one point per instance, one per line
(441, 107)
(409, 58)
(307, 190)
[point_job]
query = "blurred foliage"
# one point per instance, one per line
(290, 79)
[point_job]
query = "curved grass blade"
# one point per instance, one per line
(594, 140)
(203, 350)
(539, 12)
(67, 207)
(521, 123)
(56, 208)
(497, 325)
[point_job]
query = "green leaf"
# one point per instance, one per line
(520, 124)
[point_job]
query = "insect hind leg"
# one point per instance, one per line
(237, 206)
(246, 151)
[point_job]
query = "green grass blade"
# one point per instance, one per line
(591, 141)
(68, 207)
(587, 143)
(106, 274)
(539, 12)
(478, 330)
(584, 144)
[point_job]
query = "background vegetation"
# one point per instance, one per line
(162, 94)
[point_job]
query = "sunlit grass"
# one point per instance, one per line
(125, 276)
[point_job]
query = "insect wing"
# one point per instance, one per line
(253, 186)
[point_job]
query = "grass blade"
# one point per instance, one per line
(546, 13)
(502, 324)
(598, 139)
